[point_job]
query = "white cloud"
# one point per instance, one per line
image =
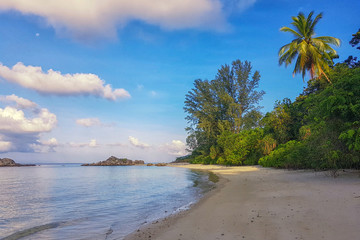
(92, 144)
(242, 5)
(175, 148)
(54, 83)
(153, 93)
(140, 87)
(88, 122)
(136, 143)
(13, 120)
(5, 146)
(22, 125)
(20, 102)
(84, 19)
(52, 142)
(45, 146)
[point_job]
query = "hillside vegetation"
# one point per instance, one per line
(319, 130)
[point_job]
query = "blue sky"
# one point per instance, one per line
(82, 82)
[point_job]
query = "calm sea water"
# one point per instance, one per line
(74, 202)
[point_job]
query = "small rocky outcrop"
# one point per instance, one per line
(161, 164)
(114, 161)
(139, 162)
(7, 162)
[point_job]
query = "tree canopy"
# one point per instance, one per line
(352, 61)
(228, 103)
(356, 39)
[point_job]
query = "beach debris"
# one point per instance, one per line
(110, 231)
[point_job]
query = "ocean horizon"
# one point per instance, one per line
(69, 201)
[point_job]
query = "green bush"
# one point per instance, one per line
(292, 154)
(201, 159)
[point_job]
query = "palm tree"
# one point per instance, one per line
(312, 54)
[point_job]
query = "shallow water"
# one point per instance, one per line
(74, 202)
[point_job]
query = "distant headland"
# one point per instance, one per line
(114, 161)
(7, 162)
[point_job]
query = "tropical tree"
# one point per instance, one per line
(228, 103)
(312, 54)
(356, 39)
(352, 61)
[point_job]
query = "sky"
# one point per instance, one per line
(84, 81)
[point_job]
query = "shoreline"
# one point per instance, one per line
(154, 228)
(262, 203)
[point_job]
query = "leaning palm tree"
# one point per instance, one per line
(312, 54)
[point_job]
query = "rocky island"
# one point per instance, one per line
(7, 162)
(114, 161)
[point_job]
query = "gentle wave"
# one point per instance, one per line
(33, 230)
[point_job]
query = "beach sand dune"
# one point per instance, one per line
(260, 203)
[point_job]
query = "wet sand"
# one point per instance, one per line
(260, 203)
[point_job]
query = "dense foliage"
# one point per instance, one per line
(319, 130)
(327, 130)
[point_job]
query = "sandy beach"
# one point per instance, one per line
(260, 203)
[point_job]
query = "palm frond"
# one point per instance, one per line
(292, 45)
(309, 21)
(287, 29)
(298, 24)
(330, 40)
(314, 22)
(297, 68)
(287, 53)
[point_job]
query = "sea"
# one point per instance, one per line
(70, 201)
